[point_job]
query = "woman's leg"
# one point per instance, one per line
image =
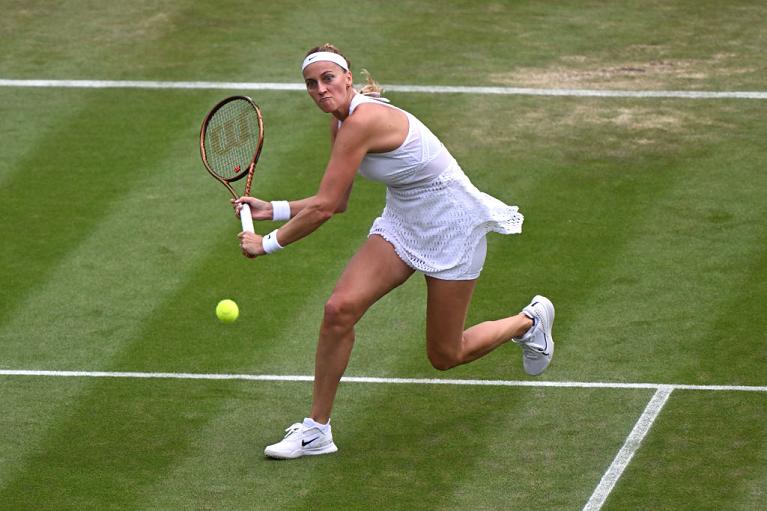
(374, 270)
(447, 343)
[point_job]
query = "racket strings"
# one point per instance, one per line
(231, 139)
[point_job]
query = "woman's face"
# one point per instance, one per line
(328, 85)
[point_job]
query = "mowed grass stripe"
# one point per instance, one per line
(244, 422)
(730, 279)
(110, 138)
(113, 259)
(281, 333)
(96, 297)
(83, 154)
(69, 180)
(121, 437)
(28, 407)
(29, 118)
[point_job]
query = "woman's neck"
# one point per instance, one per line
(342, 113)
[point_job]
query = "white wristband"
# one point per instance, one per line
(280, 210)
(270, 243)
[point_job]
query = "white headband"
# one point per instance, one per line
(325, 56)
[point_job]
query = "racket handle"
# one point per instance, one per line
(246, 219)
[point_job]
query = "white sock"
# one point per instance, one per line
(527, 335)
(311, 423)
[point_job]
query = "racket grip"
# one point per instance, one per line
(246, 219)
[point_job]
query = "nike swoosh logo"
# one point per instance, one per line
(304, 443)
(545, 349)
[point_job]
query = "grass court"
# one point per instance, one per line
(645, 225)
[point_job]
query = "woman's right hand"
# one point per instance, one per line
(259, 209)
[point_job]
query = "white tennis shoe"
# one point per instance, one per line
(303, 439)
(537, 343)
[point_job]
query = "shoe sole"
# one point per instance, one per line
(327, 449)
(548, 322)
(548, 307)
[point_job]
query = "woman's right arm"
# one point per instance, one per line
(262, 210)
(296, 206)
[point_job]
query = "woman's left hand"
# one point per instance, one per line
(251, 244)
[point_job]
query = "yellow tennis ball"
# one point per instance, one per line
(227, 311)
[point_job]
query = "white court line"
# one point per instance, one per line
(430, 89)
(630, 446)
(365, 379)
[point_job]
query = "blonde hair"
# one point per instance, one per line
(370, 87)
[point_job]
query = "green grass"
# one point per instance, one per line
(644, 223)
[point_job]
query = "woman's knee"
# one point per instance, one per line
(340, 311)
(442, 359)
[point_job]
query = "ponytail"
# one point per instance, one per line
(371, 88)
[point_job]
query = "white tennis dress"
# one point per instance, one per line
(435, 218)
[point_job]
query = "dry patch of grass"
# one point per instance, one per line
(611, 128)
(622, 128)
(577, 71)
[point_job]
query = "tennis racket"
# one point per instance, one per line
(231, 138)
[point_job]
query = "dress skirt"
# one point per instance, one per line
(437, 227)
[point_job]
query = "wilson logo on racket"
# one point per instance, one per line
(231, 134)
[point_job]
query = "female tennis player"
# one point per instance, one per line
(435, 222)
